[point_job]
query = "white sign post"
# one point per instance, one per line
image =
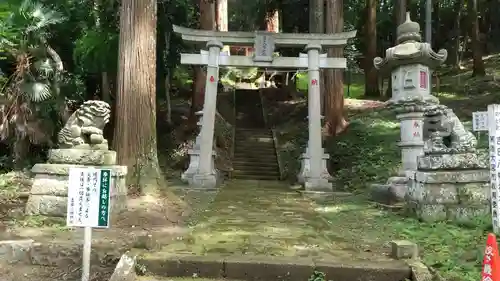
(493, 123)
(490, 121)
(88, 206)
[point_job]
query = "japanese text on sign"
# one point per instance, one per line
(88, 197)
(487, 274)
(480, 121)
(493, 122)
(264, 47)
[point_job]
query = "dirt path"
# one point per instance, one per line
(265, 218)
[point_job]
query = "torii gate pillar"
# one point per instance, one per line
(205, 177)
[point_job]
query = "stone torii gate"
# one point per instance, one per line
(264, 44)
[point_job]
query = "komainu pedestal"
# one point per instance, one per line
(452, 180)
(49, 193)
(82, 146)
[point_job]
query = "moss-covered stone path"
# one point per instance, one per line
(262, 218)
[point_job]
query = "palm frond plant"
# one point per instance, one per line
(35, 82)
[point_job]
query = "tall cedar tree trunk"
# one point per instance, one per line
(273, 21)
(437, 41)
(222, 19)
(478, 64)
(207, 22)
(334, 92)
(454, 55)
(135, 130)
(221, 15)
(163, 74)
(371, 75)
(494, 21)
(105, 88)
(399, 15)
(317, 25)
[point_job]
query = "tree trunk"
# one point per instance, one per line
(20, 152)
(207, 22)
(135, 130)
(371, 75)
(399, 15)
(273, 22)
(221, 15)
(454, 58)
(105, 89)
(494, 21)
(478, 64)
(428, 21)
(438, 40)
(335, 123)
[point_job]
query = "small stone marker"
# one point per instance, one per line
(403, 249)
(125, 269)
(88, 206)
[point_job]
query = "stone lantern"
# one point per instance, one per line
(409, 63)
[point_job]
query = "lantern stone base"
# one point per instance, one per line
(48, 195)
(461, 195)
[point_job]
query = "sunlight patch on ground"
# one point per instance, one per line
(385, 124)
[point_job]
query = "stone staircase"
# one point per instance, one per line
(254, 151)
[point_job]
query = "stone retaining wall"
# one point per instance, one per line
(450, 187)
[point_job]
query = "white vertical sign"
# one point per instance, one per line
(494, 148)
(480, 121)
(88, 197)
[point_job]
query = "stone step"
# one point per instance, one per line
(252, 171)
(256, 177)
(246, 163)
(254, 149)
(258, 131)
(257, 170)
(261, 267)
(254, 157)
(253, 131)
(254, 138)
(253, 142)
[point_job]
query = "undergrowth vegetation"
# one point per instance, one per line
(455, 251)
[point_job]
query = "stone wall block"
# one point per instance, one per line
(468, 213)
(430, 212)
(443, 193)
(474, 193)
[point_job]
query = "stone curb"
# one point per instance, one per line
(30, 252)
(252, 268)
(419, 271)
